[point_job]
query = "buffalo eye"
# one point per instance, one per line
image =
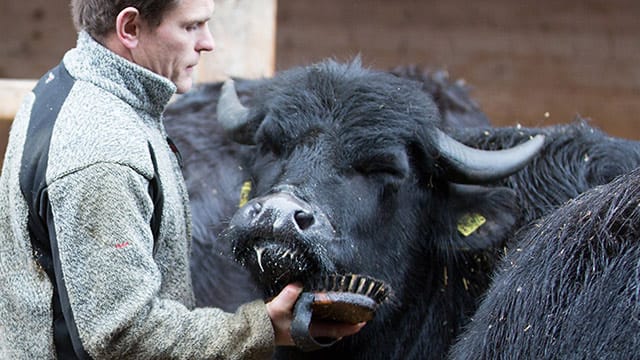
(391, 167)
(270, 137)
(269, 146)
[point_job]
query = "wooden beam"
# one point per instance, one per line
(12, 91)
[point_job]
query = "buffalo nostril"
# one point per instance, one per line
(303, 219)
(254, 209)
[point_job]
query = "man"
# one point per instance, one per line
(94, 217)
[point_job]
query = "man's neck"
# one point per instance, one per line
(112, 43)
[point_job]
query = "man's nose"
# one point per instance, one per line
(206, 43)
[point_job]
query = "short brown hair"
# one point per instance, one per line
(98, 17)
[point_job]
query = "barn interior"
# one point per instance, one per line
(528, 63)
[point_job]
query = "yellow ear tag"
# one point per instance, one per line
(469, 223)
(244, 193)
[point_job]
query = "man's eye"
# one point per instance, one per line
(195, 26)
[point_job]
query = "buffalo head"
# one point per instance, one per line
(351, 174)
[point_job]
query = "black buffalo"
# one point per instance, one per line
(214, 168)
(352, 173)
(570, 287)
(576, 157)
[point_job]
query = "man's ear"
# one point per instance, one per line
(128, 27)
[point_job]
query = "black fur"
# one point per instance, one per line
(214, 173)
(570, 287)
(357, 145)
(576, 158)
(453, 99)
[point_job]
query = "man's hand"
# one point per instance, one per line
(280, 310)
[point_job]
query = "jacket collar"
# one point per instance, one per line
(139, 87)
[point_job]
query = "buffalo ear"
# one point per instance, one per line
(484, 217)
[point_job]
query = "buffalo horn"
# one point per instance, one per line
(471, 165)
(232, 115)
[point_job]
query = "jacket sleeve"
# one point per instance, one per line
(113, 287)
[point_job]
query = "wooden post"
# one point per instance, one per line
(245, 41)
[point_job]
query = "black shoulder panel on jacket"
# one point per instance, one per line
(51, 91)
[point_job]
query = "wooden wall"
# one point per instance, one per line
(524, 59)
(36, 33)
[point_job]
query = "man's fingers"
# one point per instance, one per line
(289, 295)
(286, 299)
(280, 310)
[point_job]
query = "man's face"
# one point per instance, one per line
(173, 48)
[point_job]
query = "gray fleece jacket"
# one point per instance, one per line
(82, 268)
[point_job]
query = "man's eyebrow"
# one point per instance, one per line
(201, 19)
(195, 20)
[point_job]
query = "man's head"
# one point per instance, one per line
(164, 36)
(97, 17)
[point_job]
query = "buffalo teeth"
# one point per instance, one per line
(290, 254)
(259, 252)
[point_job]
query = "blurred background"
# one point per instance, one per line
(533, 63)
